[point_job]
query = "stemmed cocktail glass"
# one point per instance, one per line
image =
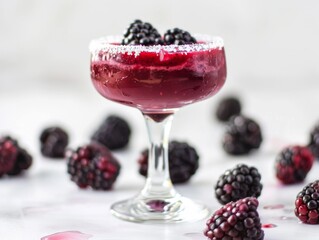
(158, 80)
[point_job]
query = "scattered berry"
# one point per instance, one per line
(237, 183)
(183, 162)
(93, 166)
(141, 33)
(178, 37)
(114, 133)
(314, 141)
(227, 108)
(235, 220)
(242, 135)
(53, 141)
(307, 203)
(293, 164)
(13, 158)
(8, 154)
(23, 162)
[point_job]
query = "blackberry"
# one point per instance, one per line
(183, 161)
(93, 166)
(13, 158)
(228, 107)
(178, 37)
(293, 164)
(23, 162)
(114, 133)
(314, 141)
(237, 183)
(53, 141)
(8, 154)
(235, 220)
(141, 33)
(242, 135)
(307, 203)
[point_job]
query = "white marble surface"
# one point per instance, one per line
(44, 201)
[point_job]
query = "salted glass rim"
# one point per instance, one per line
(110, 44)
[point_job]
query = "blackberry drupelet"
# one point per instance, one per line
(53, 141)
(314, 141)
(237, 183)
(183, 161)
(235, 220)
(93, 166)
(114, 133)
(141, 33)
(8, 154)
(242, 135)
(293, 164)
(228, 107)
(178, 36)
(307, 203)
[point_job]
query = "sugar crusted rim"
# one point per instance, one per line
(107, 44)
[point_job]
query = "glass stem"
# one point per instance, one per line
(158, 182)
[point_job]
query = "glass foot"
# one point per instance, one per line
(168, 210)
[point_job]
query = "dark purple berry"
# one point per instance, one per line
(228, 107)
(8, 154)
(93, 166)
(141, 33)
(293, 164)
(183, 161)
(114, 133)
(23, 162)
(314, 141)
(307, 205)
(16, 158)
(178, 37)
(242, 135)
(53, 141)
(237, 183)
(235, 220)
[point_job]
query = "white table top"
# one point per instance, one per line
(44, 201)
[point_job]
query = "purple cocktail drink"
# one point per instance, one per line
(158, 80)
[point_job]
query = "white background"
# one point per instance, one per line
(270, 44)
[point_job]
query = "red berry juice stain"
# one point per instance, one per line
(275, 206)
(70, 235)
(269, 225)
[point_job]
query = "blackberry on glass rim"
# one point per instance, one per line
(141, 33)
(178, 36)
